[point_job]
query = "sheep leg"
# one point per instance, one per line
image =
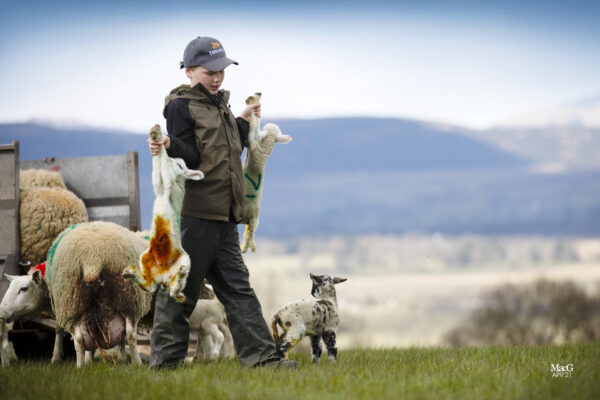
(58, 344)
(227, 350)
(200, 339)
(249, 236)
(133, 272)
(178, 282)
(329, 339)
(213, 341)
(79, 348)
(157, 180)
(4, 349)
(88, 357)
(289, 339)
(208, 345)
(123, 345)
(315, 348)
(130, 332)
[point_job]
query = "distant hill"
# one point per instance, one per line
(363, 175)
(378, 144)
(566, 136)
(565, 147)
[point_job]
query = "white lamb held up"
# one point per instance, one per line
(209, 322)
(316, 318)
(165, 262)
(260, 146)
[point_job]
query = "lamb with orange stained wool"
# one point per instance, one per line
(165, 262)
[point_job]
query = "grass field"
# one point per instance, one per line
(412, 373)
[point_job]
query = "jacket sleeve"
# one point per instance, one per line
(243, 129)
(180, 126)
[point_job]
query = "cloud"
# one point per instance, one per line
(114, 67)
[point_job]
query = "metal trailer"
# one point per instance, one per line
(109, 187)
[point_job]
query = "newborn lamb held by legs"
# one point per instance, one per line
(260, 147)
(165, 262)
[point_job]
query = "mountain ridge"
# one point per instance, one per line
(368, 175)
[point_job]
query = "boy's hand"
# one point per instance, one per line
(155, 146)
(247, 112)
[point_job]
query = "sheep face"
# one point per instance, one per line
(24, 296)
(323, 285)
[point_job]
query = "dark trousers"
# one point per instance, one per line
(214, 248)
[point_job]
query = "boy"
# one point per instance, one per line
(203, 131)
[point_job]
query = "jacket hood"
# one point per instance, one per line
(198, 93)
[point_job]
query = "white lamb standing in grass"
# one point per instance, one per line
(315, 318)
(260, 146)
(165, 262)
(209, 322)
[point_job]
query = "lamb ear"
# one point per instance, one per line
(37, 277)
(283, 139)
(10, 277)
(194, 174)
(339, 280)
(315, 278)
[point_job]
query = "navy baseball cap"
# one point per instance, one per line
(207, 52)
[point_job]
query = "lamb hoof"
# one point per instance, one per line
(155, 133)
(128, 272)
(180, 298)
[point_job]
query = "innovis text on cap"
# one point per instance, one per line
(206, 52)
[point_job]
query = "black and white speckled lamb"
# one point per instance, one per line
(315, 318)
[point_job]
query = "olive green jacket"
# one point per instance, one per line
(205, 134)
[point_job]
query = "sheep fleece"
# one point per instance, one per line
(35, 178)
(45, 212)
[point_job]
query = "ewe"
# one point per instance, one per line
(90, 297)
(260, 146)
(316, 318)
(165, 262)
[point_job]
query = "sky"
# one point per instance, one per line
(110, 64)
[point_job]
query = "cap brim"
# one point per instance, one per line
(219, 64)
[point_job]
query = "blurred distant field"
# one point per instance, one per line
(412, 289)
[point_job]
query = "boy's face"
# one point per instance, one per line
(209, 79)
